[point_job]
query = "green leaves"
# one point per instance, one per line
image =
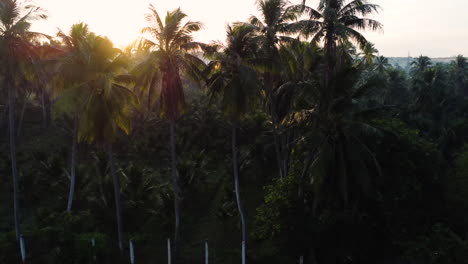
(93, 78)
(169, 57)
(230, 76)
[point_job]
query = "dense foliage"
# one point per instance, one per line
(292, 136)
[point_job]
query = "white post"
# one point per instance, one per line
(243, 252)
(168, 251)
(132, 254)
(93, 242)
(206, 252)
(301, 260)
(22, 248)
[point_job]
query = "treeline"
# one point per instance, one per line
(293, 138)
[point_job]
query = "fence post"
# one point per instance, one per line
(243, 252)
(132, 253)
(23, 249)
(93, 248)
(206, 252)
(168, 251)
(301, 260)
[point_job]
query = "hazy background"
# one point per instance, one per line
(430, 27)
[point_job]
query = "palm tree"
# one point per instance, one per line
(45, 72)
(105, 103)
(340, 164)
(15, 50)
(381, 64)
(420, 65)
(338, 21)
(70, 77)
(278, 23)
(397, 92)
(460, 74)
(368, 53)
(170, 56)
(146, 77)
(234, 80)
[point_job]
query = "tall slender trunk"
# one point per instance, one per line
(240, 206)
(150, 93)
(278, 151)
(176, 187)
(269, 87)
(73, 164)
(4, 115)
(20, 122)
(118, 208)
(44, 110)
(330, 63)
(14, 172)
(286, 151)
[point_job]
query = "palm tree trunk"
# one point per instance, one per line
(175, 186)
(44, 110)
(73, 164)
(14, 172)
(279, 159)
(20, 122)
(330, 61)
(151, 93)
(236, 183)
(49, 106)
(118, 208)
(4, 115)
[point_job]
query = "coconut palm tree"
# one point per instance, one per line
(16, 50)
(300, 68)
(382, 65)
(170, 56)
(235, 81)
(278, 23)
(420, 65)
(71, 75)
(102, 98)
(341, 166)
(337, 22)
(459, 69)
(44, 73)
(369, 53)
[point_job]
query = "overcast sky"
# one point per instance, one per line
(430, 27)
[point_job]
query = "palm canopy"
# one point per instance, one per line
(300, 60)
(460, 63)
(299, 70)
(76, 36)
(231, 76)
(340, 161)
(337, 21)
(420, 65)
(16, 18)
(381, 64)
(369, 53)
(277, 17)
(459, 71)
(94, 77)
(278, 23)
(170, 55)
(17, 47)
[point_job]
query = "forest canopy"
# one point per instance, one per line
(291, 141)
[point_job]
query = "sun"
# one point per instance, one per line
(119, 20)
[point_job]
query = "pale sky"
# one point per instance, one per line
(430, 27)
